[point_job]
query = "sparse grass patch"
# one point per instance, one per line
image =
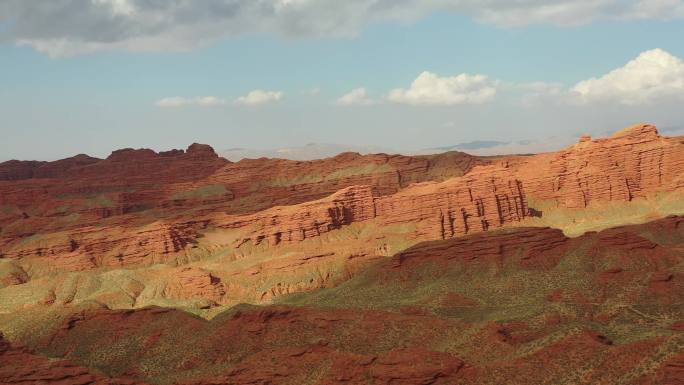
(202, 192)
(601, 216)
(366, 169)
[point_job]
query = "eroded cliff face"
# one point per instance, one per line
(633, 163)
(141, 207)
(138, 208)
(257, 229)
(486, 198)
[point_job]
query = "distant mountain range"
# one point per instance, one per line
(313, 151)
(309, 151)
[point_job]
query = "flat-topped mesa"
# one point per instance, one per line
(634, 162)
(195, 151)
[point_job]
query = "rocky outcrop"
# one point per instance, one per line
(192, 282)
(89, 248)
(140, 207)
(262, 183)
(293, 224)
(487, 198)
(484, 199)
(634, 162)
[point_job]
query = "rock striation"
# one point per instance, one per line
(140, 207)
(484, 199)
(633, 163)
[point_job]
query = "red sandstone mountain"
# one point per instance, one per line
(175, 188)
(94, 207)
(377, 258)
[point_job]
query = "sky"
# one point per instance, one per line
(91, 76)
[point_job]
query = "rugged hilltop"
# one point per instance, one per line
(492, 247)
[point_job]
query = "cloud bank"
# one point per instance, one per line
(72, 27)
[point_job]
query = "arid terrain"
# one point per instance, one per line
(181, 267)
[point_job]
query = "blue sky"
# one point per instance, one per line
(94, 95)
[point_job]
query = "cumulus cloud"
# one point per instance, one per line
(653, 75)
(257, 97)
(203, 101)
(356, 97)
(430, 89)
(71, 27)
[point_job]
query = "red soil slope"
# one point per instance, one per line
(19, 366)
(518, 306)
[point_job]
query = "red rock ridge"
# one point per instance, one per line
(482, 200)
(632, 163)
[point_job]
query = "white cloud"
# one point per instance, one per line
(72, 27)
(653, 75)
(430, 89)
(177, 101)
(356, 97)
(258, 97)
